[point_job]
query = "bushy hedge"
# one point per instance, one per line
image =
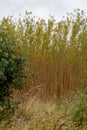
(11, 63)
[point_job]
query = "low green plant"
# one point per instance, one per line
(80, 109)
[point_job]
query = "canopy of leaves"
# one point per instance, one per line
(57, 52)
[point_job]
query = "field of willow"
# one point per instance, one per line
(54, 94)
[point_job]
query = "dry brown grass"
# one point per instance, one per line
(33, 114)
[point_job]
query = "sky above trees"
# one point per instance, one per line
(40, 8)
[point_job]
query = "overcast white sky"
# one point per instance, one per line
(40, 8)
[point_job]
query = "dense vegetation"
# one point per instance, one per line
(11, 63)
(56, 69)
(57, 53)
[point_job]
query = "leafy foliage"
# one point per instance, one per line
(57, 52)
(11, 63)
(80, 110)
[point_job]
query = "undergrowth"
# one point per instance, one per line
(33, 114)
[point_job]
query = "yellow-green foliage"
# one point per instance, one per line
(56, 68)
(56, 52)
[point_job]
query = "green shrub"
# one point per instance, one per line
(11, 63)
(80, 110)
